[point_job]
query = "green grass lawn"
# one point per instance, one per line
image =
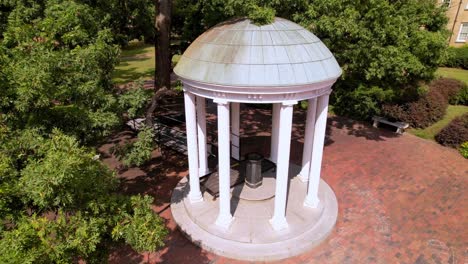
(430, 132)
(454, 73)
(136, 61)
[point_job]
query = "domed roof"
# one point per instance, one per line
(241, 54)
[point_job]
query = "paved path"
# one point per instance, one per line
(401, 199)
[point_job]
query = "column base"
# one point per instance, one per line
(303, 178)
(195, 197)
(279, 224)
(224, 221)
(312, 203)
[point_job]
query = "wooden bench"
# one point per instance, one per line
(401, 126)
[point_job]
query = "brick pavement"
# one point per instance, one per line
(401, 199)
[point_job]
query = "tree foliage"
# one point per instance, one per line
(58, 201)
(56, 71)
(381, 46)
(128, 19)
(385, 48)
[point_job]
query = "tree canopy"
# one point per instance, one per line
(385, 48)
(58, 201)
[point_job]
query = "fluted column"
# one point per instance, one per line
(312, 199)
(192, 147)
(224, 169)
(308, 139)
(275, 132)
(235, 130)
(278, 221)
(201, 126)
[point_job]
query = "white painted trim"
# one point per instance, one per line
(268, 97)
(258, 89)
(463, 24)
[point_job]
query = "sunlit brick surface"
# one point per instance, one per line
(401, 199)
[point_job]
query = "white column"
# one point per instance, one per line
(224, 218)
(192, 147)
(312, 199)
(278, 221)
(275, 115)
(201, 126)
(308, 139)
(235, 130)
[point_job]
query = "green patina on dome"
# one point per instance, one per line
(239, 53)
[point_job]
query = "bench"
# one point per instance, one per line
(401, 126)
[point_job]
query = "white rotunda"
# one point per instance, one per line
(239, 62)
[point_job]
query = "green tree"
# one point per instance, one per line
(58, 203)
(385, 48)
(56, 70)
(127, 19)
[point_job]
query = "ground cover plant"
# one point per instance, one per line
(455, 134)
(453, 111)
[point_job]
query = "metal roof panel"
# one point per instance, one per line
(240, 53)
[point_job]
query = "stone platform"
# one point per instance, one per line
(250, 236)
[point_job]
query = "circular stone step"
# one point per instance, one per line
(250, 237)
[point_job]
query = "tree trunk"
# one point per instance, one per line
(162, 80)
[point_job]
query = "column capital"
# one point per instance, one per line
(221, 101)
(288, 103)
(327, 92)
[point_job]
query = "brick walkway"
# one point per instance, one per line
(401, 199)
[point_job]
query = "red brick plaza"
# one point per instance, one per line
(401, 199)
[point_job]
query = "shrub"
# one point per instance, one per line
(462, 97)
(464, 149)
(431, 106)
(420, 113)
(455, 133)
(456, 57)
(447, 87)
